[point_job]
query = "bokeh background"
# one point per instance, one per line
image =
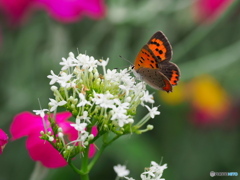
(198, 128)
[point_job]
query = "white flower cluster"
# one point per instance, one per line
(153, 173)
(108, 100)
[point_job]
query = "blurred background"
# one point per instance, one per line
(198, 129)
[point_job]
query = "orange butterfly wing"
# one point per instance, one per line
(147, 65)
(153, 59)
(146, 59)
(160, 47)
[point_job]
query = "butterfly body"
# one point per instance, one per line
(153, 65)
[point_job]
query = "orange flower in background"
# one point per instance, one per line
(209, 10)
(209, 99)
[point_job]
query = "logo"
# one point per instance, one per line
(212, 173)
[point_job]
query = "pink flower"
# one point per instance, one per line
(70, 11)
(16, 10)
(209, 10)
(30, 125)
(62, 10)
(3, 140)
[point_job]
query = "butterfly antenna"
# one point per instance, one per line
(121, 67)
(125, 59)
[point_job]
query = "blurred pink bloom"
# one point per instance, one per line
(211, 103)
(3, 140)
(209, 10)
(16, 10)
(69, 11)
(61, 10)
(30, 125)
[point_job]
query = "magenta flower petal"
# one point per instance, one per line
(94, 130)
(209, 10)
(62, 117)
(24, 123)
(3, 140)
(65, 125)
(69, 11)
(92, 150)
(43, 151)
(28, 124)
(62, 10)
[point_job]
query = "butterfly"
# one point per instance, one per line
(153, 65)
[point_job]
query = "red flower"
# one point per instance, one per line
(3, 140)
(209, 10)
(62, 10)
(30, 125)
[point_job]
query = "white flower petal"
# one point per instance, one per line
(121, 170)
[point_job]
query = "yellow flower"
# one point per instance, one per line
(176, 97)
(208, 96)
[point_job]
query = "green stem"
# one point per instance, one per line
(142, 121)
(96, 157)
(84, 177)
(74, 167)
(99, 153)
(84, 167)
(200, 33)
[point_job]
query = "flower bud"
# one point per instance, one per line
(54, 88)
(60, 134)
(50, 138)
(149, 127)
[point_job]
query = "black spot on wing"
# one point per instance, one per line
(146, 53)
(159, 51)
(154, 42)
